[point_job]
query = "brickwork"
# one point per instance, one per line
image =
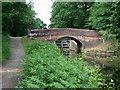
(89, 38)
(67, 31)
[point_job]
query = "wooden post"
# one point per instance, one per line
(103, 41)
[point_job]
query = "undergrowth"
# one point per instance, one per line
(5, 46)
(45, 67)
(113, 64)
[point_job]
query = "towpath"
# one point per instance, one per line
(8, 70)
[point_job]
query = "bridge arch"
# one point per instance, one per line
(79, 44)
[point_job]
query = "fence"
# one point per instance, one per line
(101, 53)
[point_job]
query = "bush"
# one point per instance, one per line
(45, 67)
(5, 46)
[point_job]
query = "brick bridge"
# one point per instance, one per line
(77, 39)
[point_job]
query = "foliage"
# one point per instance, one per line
(25, 43)
(38, 24)
(112, 67)
(5, 46)
(17, 17)
(109, 36)
(112, 72)
(69, 14)
(105, 16)
(45, 67)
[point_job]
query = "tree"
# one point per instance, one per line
(17, 17)
(69, 14)
(38, 24)
(105, 16)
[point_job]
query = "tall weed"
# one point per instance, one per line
(45, 67)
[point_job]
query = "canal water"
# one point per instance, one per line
(110, 70)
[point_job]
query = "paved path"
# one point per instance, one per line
(9, 69)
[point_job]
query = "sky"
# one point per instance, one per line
(43, 9)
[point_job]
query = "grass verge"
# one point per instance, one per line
(5, 47)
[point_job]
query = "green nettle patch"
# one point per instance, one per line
(45, 67)
(5, 47)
